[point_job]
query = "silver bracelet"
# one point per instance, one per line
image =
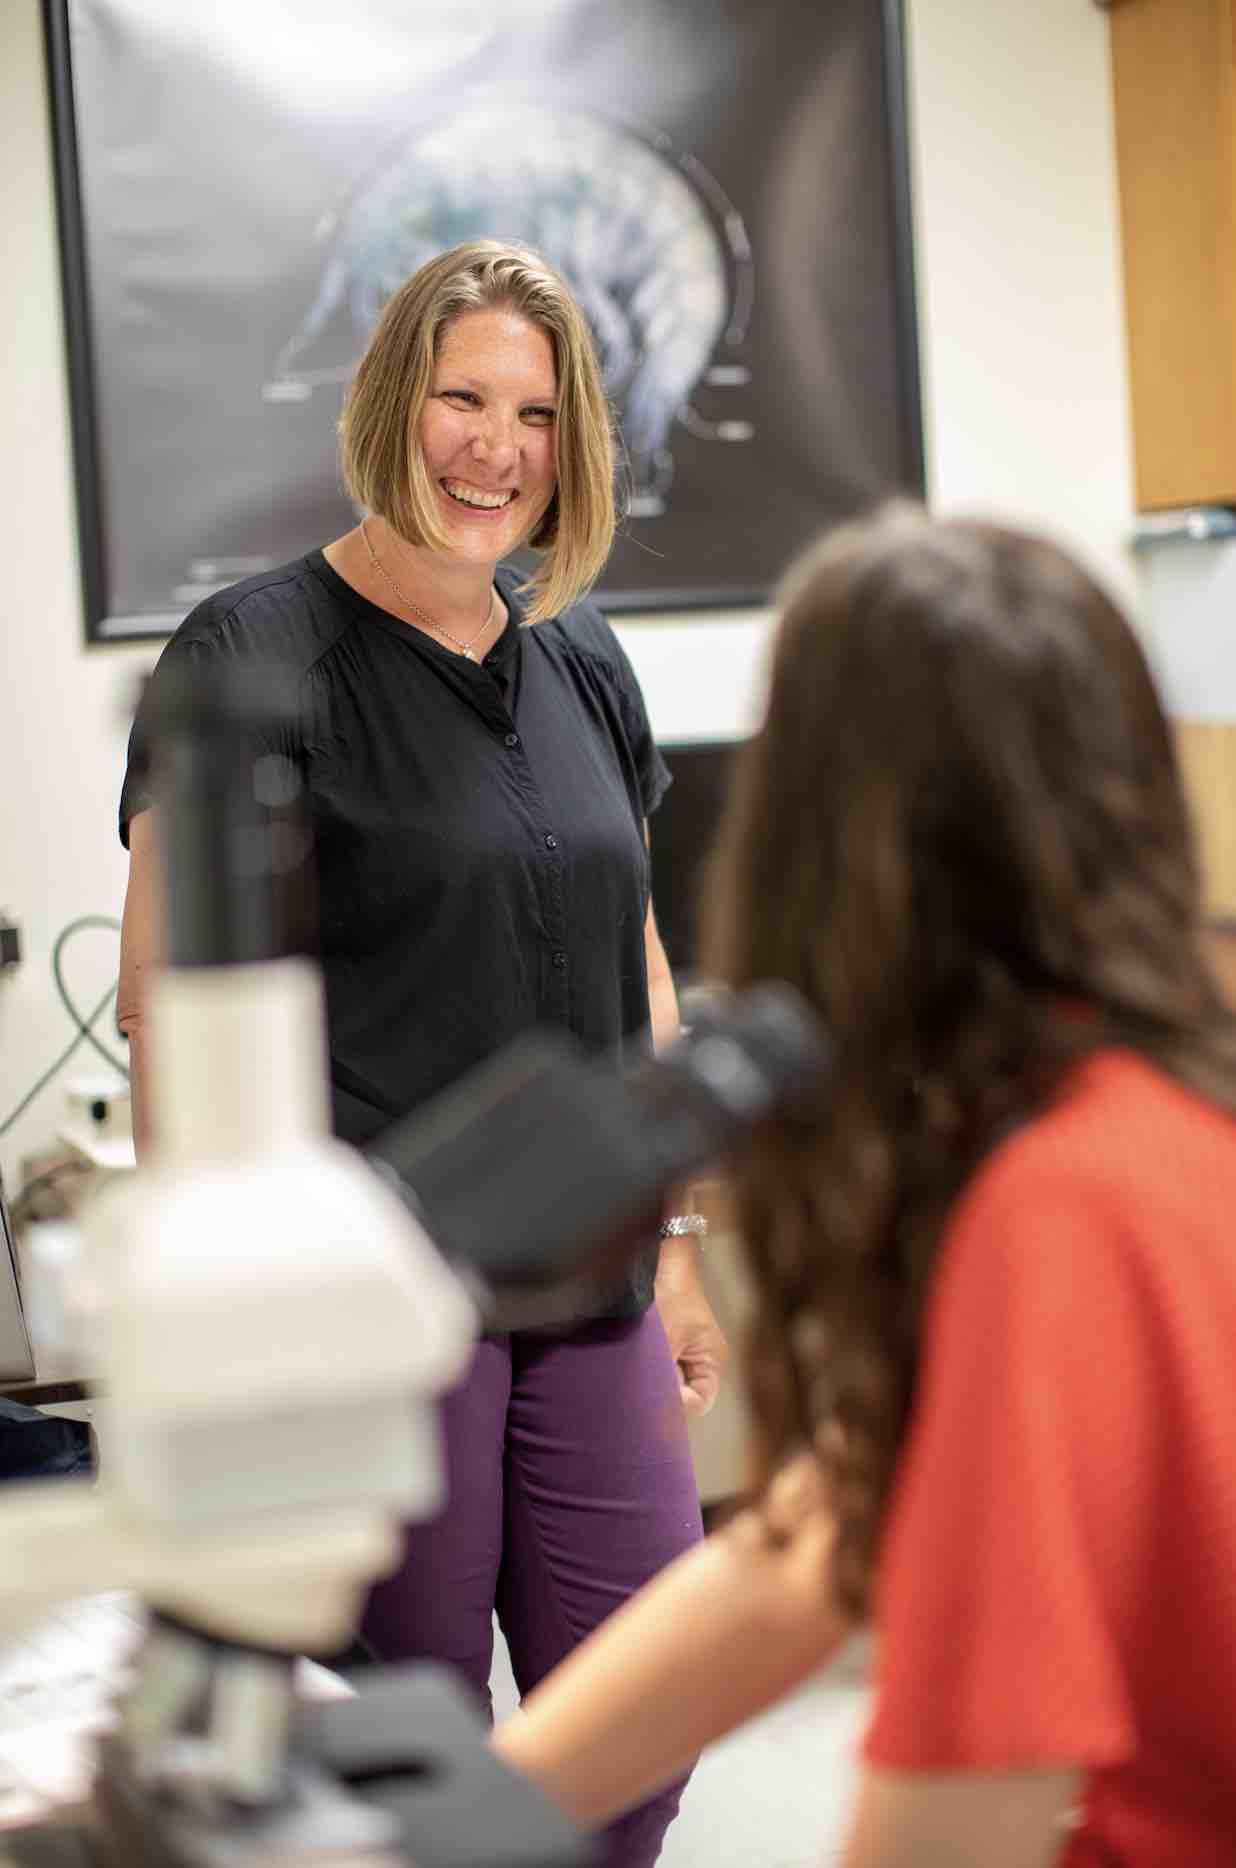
(685, 1225)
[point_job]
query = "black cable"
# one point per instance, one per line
(51, 1070)
(84, 1025)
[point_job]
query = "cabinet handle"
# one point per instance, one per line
(1186, 526)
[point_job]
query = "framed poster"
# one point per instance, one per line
(241, 186)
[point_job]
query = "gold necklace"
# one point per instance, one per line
(465, 648)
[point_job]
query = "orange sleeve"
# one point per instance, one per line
(1009, 1562)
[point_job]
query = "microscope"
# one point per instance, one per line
(274, 1314)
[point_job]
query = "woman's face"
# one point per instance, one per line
(487, 431)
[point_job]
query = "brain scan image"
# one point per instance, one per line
(645, 237)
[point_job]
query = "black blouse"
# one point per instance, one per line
(480, 850)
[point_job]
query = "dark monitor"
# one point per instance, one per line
(681, 833)
(16, 1355)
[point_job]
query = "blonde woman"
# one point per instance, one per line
(479, 768)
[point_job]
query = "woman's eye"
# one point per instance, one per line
(460, 395)
(541, 416)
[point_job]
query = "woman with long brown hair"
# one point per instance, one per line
(993, 1362)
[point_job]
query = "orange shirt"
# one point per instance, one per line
(1057, 1583)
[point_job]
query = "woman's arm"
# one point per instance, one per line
(695, 1338)
(662, 997)
(962, 1819)
(139, 947)
(725, 1632)
(718, 1636)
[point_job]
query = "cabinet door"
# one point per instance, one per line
(1207, 752)
(1173, 73)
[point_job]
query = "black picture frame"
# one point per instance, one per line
(732, 529)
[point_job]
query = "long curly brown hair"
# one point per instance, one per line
(961, 835)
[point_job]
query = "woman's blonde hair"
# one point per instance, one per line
(383, 466)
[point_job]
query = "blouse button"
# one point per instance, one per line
(551, 842)
(559, 958)
(511, 740)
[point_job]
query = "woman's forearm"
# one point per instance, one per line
(720, 1635)
(139, 1085)
(139, 947)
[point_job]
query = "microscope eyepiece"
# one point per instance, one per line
(548, 1165)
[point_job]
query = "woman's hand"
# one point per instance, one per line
(696, 1343)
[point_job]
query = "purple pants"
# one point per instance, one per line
(570, 1484)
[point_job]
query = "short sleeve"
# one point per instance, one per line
(653, 773)
(135, 792)
(186, 653)
(1009, 1559)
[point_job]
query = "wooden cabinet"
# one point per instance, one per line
(1207, 753)
(1221, 951)
(1174, 89)
(1174, 78)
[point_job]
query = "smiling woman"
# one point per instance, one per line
(479, 791)
(485, 439)
(481, 381)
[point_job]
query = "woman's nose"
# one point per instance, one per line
(495, 437)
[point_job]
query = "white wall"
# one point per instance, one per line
(1024, 374)
(61, 709)
(1187, 610)
(1019, 270)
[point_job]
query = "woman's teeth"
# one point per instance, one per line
(472, 496)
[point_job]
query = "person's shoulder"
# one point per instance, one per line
(583, 634)
(1120, 1137)
(582, 628)
(288, 615)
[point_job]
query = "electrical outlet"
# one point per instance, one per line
(10, 943)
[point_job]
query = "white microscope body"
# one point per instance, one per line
(270, 1327)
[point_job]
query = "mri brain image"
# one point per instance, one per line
(644, 236)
